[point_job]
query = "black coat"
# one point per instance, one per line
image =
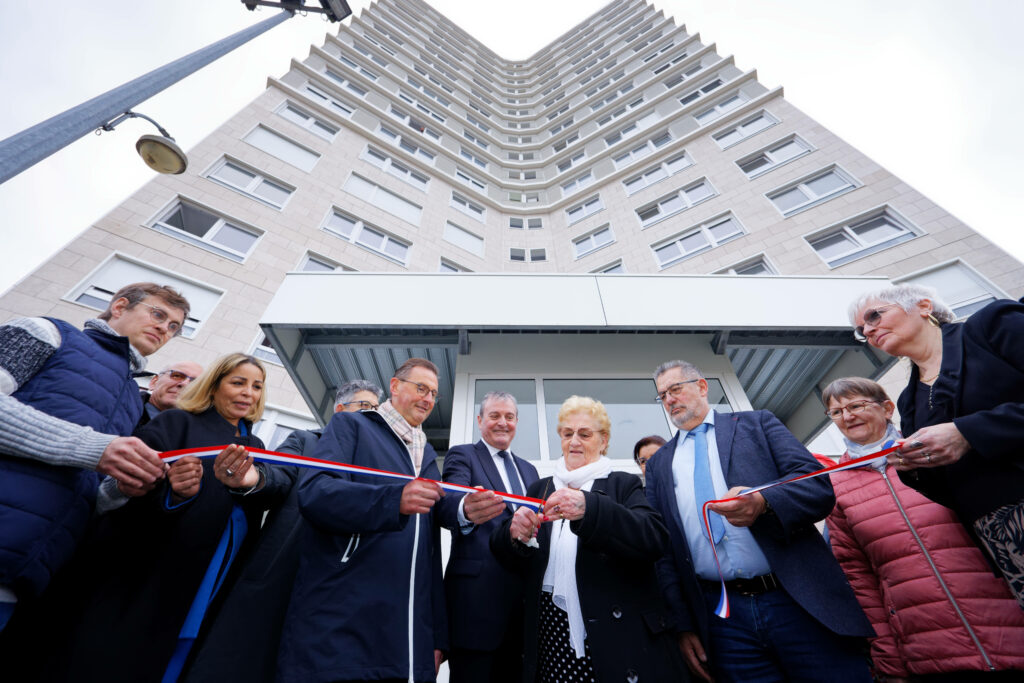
(144, 563)
(980, 388)
(251, 615)
(620, 538)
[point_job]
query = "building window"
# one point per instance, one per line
(388, 164)
(611, 268)
(383, 199)
(696, 240)
(608, 118)
(517, 223)
(814, 190)
(467, 153)
(578, 183)
(959, 285)
(282, 148)
(318, 264)
(741, 131)
(344, 82)
(474, 139)
(644, 149)
(467, 207)
(774, 156)
(583, 209)
(758, 265)
(414, 123)
(700, 92)
(593, 241)
(721, 107)
(338, 105)
(463, 239)
(419, 105)
(447, 266)
(98, 288)
(861, 236)
(405, 143)
(566, 141)
(678, 201)
(307, 121)
(467, 179)
(209, 231)
(522, 255)
(352, 229)
(250, 183)
(262, 349)
(652, 175)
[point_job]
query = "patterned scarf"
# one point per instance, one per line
(414, 437)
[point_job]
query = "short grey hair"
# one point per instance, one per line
(906, 296)
(349, 389)
(690, 371)
(498, 396)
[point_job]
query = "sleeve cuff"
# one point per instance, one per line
(465, 526)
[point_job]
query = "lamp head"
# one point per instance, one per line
(161, 154)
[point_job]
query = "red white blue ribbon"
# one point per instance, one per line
(275, 458)
(722, 608)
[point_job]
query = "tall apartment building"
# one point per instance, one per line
(403, 146)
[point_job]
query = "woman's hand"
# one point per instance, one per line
(567, 504)
(934, 446)
(184, 477)
(233, 468)
(524, 526)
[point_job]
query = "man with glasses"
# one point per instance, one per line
(485, 600)
(368, 602)
(356, 395)
(792, 612)
(67, 400)
(164, 387)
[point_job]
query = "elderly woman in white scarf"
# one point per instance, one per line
(593, 612)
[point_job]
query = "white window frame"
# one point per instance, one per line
(207, 241)
(471, 209)
(392, 166)
(469, 155)
(358, 236)
(340, 81)
(962, 307)
(860, 248)
(529, 255)
(339, 105)
(308, 163)
(648, 147)
(265, 353)
(593, 240)
(746, 264)
(772, 158)
(578, 183)
(308, 257)
(290, 111)
(679, 201)
(702, 91)
(743, 128)
(813, 199)
(733, 100)
(470, 180)
(402, 142)
(463, 239)
(587, 207)
(414, 123)
(97, 288)
(383, 198)
(613, 268)
(448, 266)
(710, 241)
(482, 144)
(655, 174)
(249, 189)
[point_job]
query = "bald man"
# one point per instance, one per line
(165, 387)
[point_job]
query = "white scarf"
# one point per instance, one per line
(560, 575)
(856, 450)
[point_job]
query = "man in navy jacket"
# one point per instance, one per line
(485, 600)
(368, 602)
(792, 614)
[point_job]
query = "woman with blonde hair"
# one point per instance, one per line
(157, 565)
(593, 610)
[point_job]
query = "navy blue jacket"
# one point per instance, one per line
(755, 448)
(368, 602)
(482, 595)
(980, 388)
(44, 509)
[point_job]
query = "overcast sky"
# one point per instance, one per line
(931, 89)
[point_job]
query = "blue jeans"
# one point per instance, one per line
(769, 637)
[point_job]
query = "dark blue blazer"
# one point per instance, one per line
(482, 595)
(755, 448)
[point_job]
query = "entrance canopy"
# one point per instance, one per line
(783, 337)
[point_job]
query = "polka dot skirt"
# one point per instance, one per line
(558, 662)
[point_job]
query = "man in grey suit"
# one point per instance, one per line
(484, 598)
(792, 614)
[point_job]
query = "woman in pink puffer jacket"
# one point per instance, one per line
(932, 597)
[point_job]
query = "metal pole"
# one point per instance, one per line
(32, 145)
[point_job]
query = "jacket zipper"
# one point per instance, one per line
(938, 575)
(350, 549)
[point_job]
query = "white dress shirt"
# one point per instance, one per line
(464, 524)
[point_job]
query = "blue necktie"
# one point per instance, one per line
(513, 476)
(703, 488)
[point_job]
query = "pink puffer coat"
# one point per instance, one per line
(926, 587)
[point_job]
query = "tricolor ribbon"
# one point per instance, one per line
(722, 608)
(275, 458)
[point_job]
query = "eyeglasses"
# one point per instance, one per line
(854, 408)
(583, 434)
(872, 317)
(421, 389)
(363, 405)
(642, 461)
(159, 315)
(178, 376)
(674, 390)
